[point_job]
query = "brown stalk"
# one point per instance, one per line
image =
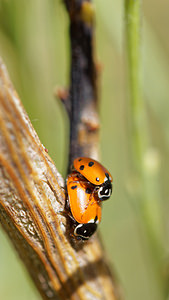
(81, 102)
(32, 195)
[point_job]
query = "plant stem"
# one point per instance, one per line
(132, 17)
(145, 181)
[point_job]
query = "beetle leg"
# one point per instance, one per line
(90, 198)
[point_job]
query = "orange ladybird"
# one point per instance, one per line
(84, 206)
(96, 174)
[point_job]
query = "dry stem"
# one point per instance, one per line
(31, 202)
(82, 101)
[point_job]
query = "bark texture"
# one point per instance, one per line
(32, 212)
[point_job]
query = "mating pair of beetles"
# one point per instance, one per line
(88, 185)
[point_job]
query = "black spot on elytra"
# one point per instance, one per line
(88, 191)
(91, 163)
(80, 159)
(73, 187)
(81, 167)
(97, 179)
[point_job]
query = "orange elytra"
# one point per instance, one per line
(84, 206)
(96, 174)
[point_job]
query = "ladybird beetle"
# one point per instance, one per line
(84, 206)
(96, 174)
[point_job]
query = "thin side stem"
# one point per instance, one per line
(143, 161)
(133, 40)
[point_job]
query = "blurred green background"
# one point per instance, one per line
(35, 47)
